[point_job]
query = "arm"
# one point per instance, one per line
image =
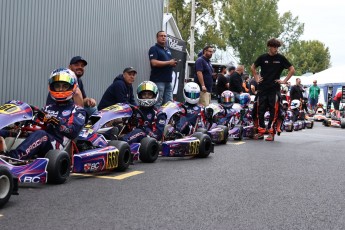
(78, 98)
(157, 63)
(201, 80)
(257, 78)
(71, 128)
(289, 75)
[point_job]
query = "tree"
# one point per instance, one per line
(248, 24)
(207, 30)
(309, 56)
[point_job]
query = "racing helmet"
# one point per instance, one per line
(245, 100)
(295, 104)
(147, 86)
(69, 84)
(191, 92)
(227, 99)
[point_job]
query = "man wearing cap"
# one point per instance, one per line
(162, 65)
(121, 90)
(77, 65)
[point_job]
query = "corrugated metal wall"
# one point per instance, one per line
(38, 36)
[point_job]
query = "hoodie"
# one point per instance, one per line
(118, 92)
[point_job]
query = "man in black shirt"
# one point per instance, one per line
(222, 82)
(236, 82)
(272, 65)
(296, 91)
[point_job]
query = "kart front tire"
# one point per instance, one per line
(342, 123)
(124, 154)
(240, 134)
(205, 146)
(225, 133)
(149, 150)
(59, 166)
(6, 185)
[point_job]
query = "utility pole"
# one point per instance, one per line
(192, 28)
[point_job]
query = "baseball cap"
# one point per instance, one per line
(77, 59)
(129, 69)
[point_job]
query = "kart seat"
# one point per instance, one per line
(12, 142)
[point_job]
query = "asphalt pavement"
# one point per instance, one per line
(295, 182)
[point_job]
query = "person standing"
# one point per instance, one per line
(162, 65)
(314, 92)
(230, 70)
(253, 87)
(296, 91)
(272, 65)
(222, 82)
(236, 82)
(121, 90)
(204, 75)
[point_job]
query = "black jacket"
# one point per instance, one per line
(117, 92)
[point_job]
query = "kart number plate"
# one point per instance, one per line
(9, 108)
(194, 147)
(112, 159)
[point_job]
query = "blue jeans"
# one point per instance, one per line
(165, 93)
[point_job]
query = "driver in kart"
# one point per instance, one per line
(63, 119)
(191, 94)
(150, 123)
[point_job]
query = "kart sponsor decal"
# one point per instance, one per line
(9, 108)
(66, 112)
(81, 116)
(112, 159)
(93, 167)
(114, 108)
(194, 147)
(35, 179)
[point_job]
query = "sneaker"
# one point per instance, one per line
(3, 147)
(259, 136)
(270, 137)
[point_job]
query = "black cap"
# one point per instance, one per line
(129, 69)
(77, 59)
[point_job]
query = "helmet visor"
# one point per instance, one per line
(64, 77)
(144, 87)
(192, 95)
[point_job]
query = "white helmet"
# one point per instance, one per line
(295, 104)
(191, 92)
(147, 86)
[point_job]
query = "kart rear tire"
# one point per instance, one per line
(240, 135)
(205, 146)
(124, 154)
(311, 125)
(149, 150)
(59, 166)
(225, 132)
(6, 185)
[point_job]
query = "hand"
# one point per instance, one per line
(173, 62)
(259, 80)
(89, 102)
(51, 120)
(280, 81)
(203, 88)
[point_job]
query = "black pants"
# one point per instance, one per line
(270, 102)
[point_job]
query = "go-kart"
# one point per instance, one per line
(8, 185)
(86, 155)
(176, 144)
(334, 121)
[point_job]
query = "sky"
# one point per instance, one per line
(323, 21)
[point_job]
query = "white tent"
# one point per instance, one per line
(331, 76)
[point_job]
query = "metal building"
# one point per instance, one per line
(37, 36)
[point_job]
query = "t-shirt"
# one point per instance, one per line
(271, 69)
(160, 74)
(221, 84)
(204, 65)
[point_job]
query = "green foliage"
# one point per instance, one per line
(309, 56)
(207, 30)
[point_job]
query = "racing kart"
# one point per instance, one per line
(334, 121)
(176, 144)
(55, 166)
(320, 114)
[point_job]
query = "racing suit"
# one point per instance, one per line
(151, 124)
(71, 119)
(186, 123)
